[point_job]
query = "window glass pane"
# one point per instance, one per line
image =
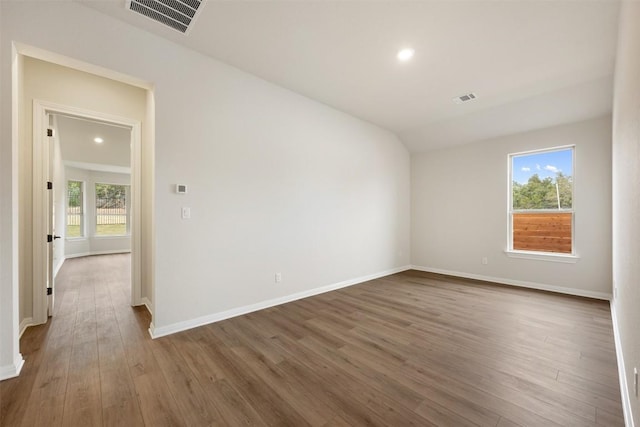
(542, 201)
(74, 209)
(543, 180)
(111, 210)
(542, 231)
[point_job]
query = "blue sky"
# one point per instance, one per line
(544, 164)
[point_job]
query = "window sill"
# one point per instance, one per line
(112, 236)
(542, 256)
(75, 239)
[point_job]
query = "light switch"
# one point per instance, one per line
(186, 213)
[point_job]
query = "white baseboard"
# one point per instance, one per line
(12, 371)
(216, 317)
(520, 283)
(117, 251)
(624, 389)
(26, 322)
(145, 301)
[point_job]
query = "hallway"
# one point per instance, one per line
(76, 367)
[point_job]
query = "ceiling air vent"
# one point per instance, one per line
(176, 14)
(464, 98)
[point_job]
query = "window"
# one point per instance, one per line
(541, 201)
(112, 216)
(75, 209)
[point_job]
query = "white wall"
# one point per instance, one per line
(89, 244)
(626, 203)
(10, 358)
(459, 209)
(277, 182)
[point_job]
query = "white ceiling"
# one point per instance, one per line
(532, 64)
(79, 150)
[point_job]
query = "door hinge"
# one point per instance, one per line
(49, 291)
(49, 185)
(49, 132)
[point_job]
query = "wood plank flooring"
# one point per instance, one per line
(409, 349)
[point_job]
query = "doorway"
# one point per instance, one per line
(100, 155)
(54, 92)
(38, 74)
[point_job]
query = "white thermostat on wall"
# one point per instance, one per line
(181, 189)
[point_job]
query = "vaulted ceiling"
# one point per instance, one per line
(532, 64)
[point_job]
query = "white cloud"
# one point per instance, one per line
(525, 169)
(538, 167)
(551, 168)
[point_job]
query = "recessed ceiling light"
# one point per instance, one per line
(98, 140)
(406, 54)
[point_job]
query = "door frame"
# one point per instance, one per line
(41, 109)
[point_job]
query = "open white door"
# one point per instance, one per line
(50, 212)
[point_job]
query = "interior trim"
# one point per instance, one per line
(157, 332)
(624, 388)
(519, 283)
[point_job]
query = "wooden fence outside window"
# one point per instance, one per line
(543, 231)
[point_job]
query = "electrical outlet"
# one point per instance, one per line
(278, 277)
(615, 292)
(485, 260)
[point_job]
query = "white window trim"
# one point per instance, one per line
(543, 256)
(95, 213)
(83, 234)
(539, 255)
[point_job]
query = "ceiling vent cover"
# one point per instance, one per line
(464, 98)
(176, 14)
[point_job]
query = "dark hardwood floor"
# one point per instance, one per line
(409, 349)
